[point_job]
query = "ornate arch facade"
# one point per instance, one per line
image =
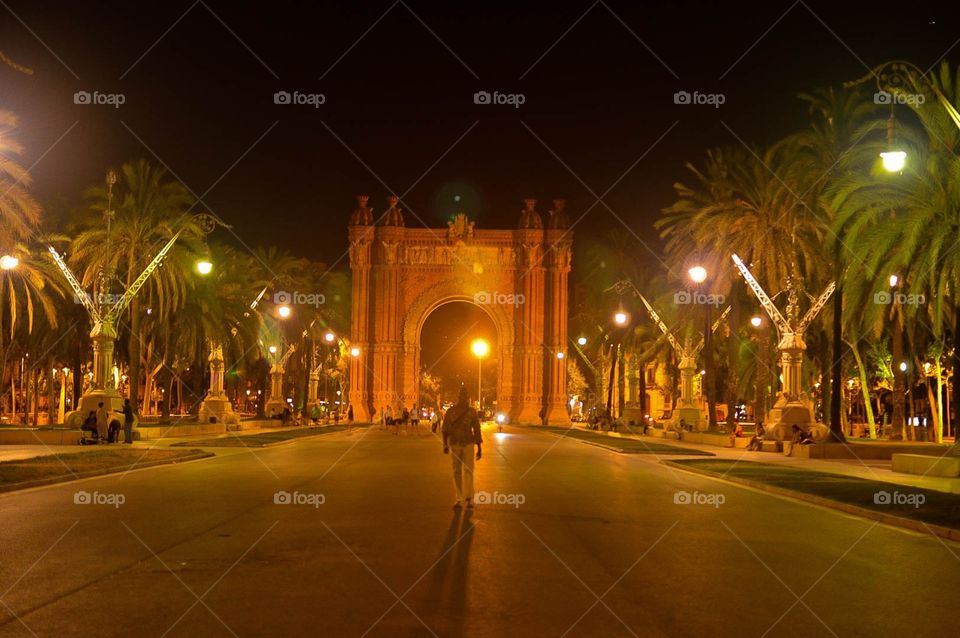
(518, 277)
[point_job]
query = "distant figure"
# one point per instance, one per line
(350, 415)
(415, 420)
(103, 421)
(388, 415)
(461, 431)
(336, 416)
(800, 437)
(543, 417)
(756, 443)
(681, 428)
(127, 422)
(434, 421)
(90, 424)
(315, 413)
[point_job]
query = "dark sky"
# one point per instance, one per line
(199, 79)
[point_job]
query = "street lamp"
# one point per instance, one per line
(354, 351)
(894, 161)
(698, 274)
(620, 318)
(204, 266)
(8, 262)
(480, 349)
(894, 280)
(284, 311)
(560, 355)
(756, 321)
(582, 341)
(329, 337)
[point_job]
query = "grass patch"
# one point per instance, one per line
(938, 508)
(263, 439)
(55, 468)
(624, 445)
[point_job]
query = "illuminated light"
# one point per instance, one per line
(354, 351)
(560, 355)
(756, 320)
(620, 318)
(329, 337)
(8, 262)
(698, 274)
(248, 392)
(703, 372)
(204, 267)
(501, 418)
(894, 161)
(272, 349)
(894, 280)
(284, 311)
(582, 341)
(480, 348)
(903, 366)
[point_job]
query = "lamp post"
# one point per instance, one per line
(480, 349)
(698, 275)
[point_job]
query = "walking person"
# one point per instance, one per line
(127, 422)
(103, 420)
(461, 432)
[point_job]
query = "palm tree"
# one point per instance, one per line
(19, 212)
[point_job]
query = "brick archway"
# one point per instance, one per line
(519, 277)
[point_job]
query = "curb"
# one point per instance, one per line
(888, 519)
(265, 445)
(59, 480)
(625, 452)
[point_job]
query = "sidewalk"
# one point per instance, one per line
(877, 470)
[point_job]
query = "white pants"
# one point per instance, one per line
(462, 457)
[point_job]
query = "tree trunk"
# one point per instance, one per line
(733, 350)
(899, 377)
(836, 366)
(956, 381)
(868, 405)
(133, 351)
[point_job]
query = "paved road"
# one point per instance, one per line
(598, 548)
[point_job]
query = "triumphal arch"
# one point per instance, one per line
(518, 277)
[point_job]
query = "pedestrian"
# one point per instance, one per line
(461, 431)
(388, 415)
(434, 421)
(315, 413)
(336, 416)
(127, 422)
(103, 421)
(350, 415)
(756, 443)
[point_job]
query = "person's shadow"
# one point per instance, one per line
(447, 589)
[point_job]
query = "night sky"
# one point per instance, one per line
(598, 81)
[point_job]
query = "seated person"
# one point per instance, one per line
(800, 437)
(756, 443)
(90, 424)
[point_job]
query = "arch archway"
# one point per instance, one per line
(445, 339)
(518, 277)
